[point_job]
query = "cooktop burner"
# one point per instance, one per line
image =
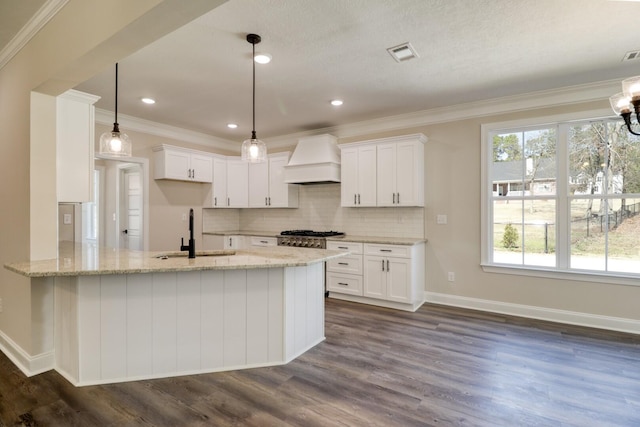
(311, 233)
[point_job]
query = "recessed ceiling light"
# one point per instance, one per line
(262, 58)
(336, 102)
(148, 101)
(232, 125)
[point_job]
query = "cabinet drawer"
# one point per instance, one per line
(263, 241)
(388, 250)
(350, 264)
(352, 247)
(344, 283)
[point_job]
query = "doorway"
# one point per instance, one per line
(130, 207)
(125, 206)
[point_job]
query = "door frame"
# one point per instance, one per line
(121, 166)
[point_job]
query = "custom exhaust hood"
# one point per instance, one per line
(316, 159)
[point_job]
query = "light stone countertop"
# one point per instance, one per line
(83, 260)
(405, 241)
(409, 241)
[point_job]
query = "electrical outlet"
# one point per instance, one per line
(441, 219)
(451, 276)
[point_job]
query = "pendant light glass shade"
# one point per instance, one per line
(253, 149)
(115, 143)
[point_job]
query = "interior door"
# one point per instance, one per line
(131, 209)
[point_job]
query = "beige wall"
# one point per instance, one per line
(85, 37)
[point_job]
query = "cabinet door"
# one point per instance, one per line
(349, 177)
(176, 165)
(399, 287)
(211, 242)
(409, 174)
(280, 193)
(201, 168)
(386, 174)
(258, 185)
(74, 147)
(219, 187)
(375, 277)
(367, 176)
(234, 242)
(237, 184)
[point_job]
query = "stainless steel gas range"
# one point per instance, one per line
(306, 238)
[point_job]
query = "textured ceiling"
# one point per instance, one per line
(469, 50)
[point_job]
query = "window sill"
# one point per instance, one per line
(576, 275)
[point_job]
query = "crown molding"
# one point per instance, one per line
(31, 28)
(530, 101)
(158, 129)
(542, 99)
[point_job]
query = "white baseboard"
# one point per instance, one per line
(376, 302)
(542, 313)
(29, 365)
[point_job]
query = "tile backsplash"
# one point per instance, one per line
(319, 209)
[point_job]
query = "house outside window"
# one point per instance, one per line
(562, 197)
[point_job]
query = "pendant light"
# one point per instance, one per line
(115, 143)
(254, 150)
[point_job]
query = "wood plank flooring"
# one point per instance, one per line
(440, 366)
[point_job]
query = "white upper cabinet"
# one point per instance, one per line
(182, 164)
(383, 172)
(237, 183)
(400, 171)
(219, 187)
(267, 188)
(75, 124)
(358, 176)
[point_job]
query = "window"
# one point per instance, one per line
(563, 197)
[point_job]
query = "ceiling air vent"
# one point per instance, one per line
(631, 56)
(403, 52)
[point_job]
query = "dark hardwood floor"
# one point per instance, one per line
(439, 366)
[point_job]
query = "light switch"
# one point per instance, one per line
(66, 219)
(441, 219)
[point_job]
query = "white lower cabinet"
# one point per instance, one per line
(263, 241)
(234, 242)
(344, 274)
(379, 274)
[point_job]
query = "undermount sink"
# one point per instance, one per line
(224, 252)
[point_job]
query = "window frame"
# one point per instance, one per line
(563, 243)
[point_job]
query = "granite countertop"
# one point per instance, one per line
(243, 233)
(410, 241)
(83, 259)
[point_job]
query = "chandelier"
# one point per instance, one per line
(628, 101)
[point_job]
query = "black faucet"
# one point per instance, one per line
(192, 242)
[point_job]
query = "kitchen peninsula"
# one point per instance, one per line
(117, 315)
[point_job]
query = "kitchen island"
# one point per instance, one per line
(119, 315)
